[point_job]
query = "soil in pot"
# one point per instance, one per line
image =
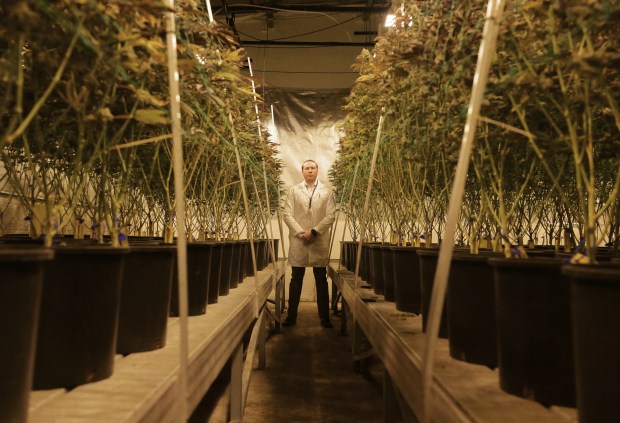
(78, 323)
(145, 298)
(21, 285)
(428, 265)
(198, 281)
(534, 330)
(407, 289)
(595, 304)
(471, 316)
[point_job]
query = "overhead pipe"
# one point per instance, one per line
(248, 8)
(307, 43)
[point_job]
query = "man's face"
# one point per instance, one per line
(309, 172)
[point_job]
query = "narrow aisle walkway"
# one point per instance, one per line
(310, 378)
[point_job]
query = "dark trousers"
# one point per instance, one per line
(322, 293)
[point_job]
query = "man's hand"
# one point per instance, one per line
(307, 237)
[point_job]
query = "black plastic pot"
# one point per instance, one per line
(198, 281)
(78, 324)
(365, 264)
(407, 290)
(276, 246)
(376, 268)
(388, 273)
(226, 268)
(261, 253)
(214, 272)
(145, 298)
(20, 298)
(471, 316)
(595, 303)
(351, 257)
(428, 265)
(534, 330)
(236, 264)
(244, 246)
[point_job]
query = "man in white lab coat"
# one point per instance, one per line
(309, 212)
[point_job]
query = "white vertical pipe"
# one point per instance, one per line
(179, 195)
(485, 56)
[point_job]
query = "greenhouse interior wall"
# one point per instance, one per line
(146, 152)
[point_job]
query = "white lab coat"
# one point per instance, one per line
(299, 217)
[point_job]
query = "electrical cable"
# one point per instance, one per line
(318, 72)
(319, 30)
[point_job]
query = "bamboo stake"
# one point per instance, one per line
(346, 219)
(367, 203)
(209, 10)
(260, 137)
(246, 203)
(335, 224)
(485, 55)
(280, 223)
(177, 164)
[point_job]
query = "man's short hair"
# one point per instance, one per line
(309, 160)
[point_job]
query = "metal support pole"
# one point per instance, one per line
(278, 304)
(262, 337)
(236, 385)
(390, 403)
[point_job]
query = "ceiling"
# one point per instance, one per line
(297, 44)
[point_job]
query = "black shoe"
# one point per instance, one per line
(327, 324)
(288, 322)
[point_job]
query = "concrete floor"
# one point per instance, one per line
(310, 377)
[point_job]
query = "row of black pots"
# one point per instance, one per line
(67, 317)
(384, 267)
(524, 316)
(213, 268)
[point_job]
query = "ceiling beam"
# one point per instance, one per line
(248, 8)
(306, 43)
